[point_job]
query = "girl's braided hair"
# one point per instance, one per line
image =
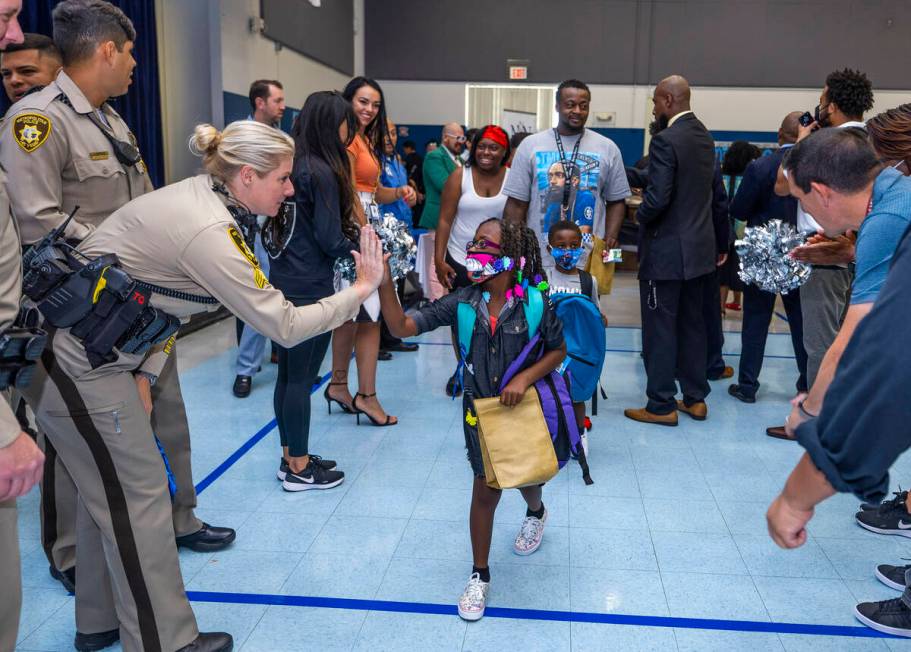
(518, 241)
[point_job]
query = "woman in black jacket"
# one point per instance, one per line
(324, 229)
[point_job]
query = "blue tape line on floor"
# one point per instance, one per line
(219, 470)
(537, 614)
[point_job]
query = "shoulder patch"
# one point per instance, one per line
(31, 131)
(238, 241)
(258, 276)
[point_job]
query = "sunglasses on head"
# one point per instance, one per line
(481, 243)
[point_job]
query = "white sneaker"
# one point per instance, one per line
(530, 535)
(474, 598)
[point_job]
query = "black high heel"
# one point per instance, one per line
(329, 400)
(359, 412)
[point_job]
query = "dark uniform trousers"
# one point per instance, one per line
(58, 493)
(128, 568)
(758, 310)
(674, 343)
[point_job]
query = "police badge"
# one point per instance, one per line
(31, 130)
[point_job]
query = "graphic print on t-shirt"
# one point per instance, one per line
(551, 181)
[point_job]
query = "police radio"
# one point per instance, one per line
(97, 300)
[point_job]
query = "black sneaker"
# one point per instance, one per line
(328, 465)
(313, 477)
(888, 519)
(898, 498)
(892, 576)
(888, 616)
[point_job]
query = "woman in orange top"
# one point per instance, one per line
(363, 334)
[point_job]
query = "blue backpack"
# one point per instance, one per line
(553, 389)
(584, 333)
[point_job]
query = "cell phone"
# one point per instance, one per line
(612, 256)
(806, 119)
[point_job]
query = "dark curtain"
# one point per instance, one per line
(141, 107)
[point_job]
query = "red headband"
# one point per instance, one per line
(496, 134)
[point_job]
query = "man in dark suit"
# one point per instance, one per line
(716, 369)
(678, 254)
(756, 204)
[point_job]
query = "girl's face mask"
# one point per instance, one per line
(566, 258)
(482, 266)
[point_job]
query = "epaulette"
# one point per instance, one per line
(33, 89)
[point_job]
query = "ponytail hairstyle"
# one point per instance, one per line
(518, 241)
(315, 133)
(376, 130)
(241, 143)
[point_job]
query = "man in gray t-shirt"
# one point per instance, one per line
(568, 173)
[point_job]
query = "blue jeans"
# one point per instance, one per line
(252, 344)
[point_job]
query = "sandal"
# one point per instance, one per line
(347, 409)
(388, 422)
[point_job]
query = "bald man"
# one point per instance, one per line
(756, 203)
(678, 253)
(438, 165)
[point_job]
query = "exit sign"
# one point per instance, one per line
(518, 72)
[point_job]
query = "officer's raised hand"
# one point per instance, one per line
(370, 263)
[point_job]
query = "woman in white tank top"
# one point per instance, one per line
(470, 196)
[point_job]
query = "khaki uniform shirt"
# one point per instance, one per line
(10, 287)
(182, 237)
(57, 158)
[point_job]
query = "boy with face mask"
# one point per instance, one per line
(564, 242)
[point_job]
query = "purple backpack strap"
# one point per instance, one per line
(519, 362)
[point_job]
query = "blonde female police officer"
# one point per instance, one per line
(184, 239)
(65, 146)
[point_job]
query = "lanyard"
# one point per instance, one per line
(568, 170)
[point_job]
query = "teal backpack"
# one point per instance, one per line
(553, 389)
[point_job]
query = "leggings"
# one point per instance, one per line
(297, 367)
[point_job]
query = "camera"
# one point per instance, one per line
(806, 119)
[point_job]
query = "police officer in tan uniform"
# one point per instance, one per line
(182, 243)
(20, 459)
(64, 146)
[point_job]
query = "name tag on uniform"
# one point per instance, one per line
(99, 156)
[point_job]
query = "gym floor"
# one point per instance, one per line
(668, 549)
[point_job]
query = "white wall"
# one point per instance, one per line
(246, 57)
(728, 109)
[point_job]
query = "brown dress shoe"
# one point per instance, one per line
(698, 410)
(727, 372)
(778, 432)
(643, 415)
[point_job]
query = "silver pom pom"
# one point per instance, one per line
(397, 241)
(764, 259)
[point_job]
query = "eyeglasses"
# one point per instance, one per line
(481, 243)
(458, 139)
